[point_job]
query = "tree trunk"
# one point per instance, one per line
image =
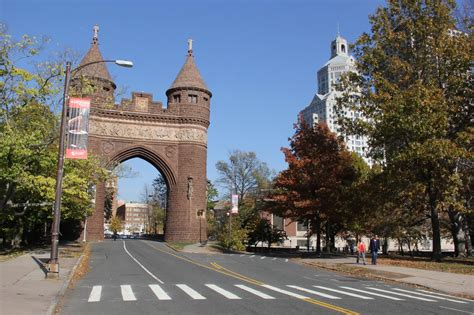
(400, 246)
(435, 226)
(328, 241)
(457, 233)
(16, 241)
(409, 247)
(467, 233)
(333, 241)
(385, 246)
(318, 235)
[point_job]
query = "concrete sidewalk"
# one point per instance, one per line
(24, 287)
(452, 283)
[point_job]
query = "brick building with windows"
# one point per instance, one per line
(135, 216)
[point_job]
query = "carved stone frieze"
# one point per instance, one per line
(148, 132)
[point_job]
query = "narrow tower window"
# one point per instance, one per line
(192, 98)
(343, 48)
(177, 98)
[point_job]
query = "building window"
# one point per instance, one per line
(205, 99)
(192, 98)
(343, 48)
(302, 226)
(177, 98)
(278, 222)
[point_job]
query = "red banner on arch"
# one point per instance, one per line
(78, 128)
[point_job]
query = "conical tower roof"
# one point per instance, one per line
(189, 76)
(97, 70)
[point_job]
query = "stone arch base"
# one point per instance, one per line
(184, 173)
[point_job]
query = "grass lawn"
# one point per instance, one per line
(178, 245)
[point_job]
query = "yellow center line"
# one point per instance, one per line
(218, 268)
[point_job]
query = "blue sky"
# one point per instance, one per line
(259, 58)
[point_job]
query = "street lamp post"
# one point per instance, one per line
(53, 265)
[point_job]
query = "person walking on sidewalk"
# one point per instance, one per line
(374, 248)
(361, 251)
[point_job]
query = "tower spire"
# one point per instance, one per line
(190, 47)
(95, 38)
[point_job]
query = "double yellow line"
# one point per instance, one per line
(218, 268)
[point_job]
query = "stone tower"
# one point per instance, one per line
(190, 97)
(172, 139)
(94, 81)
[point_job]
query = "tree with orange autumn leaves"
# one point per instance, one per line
(319, 175)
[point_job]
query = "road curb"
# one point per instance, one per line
(52, 307)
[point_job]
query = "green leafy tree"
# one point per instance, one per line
(116, 225)
(266, 232)
(414, 87)
(212, 222)
(29, 144)
(232, 236)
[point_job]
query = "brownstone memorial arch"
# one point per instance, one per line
(173, 139)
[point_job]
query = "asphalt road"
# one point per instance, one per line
(147, 277)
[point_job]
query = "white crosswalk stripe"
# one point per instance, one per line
(365, 293)
(373, 293)
(256, 292)
(431, 296)
(332, 297)
(441, 294)
(127, 293)
(223, 292)
(95, 294)
(191, 292)
(159, 292)
(401, 294)
(298, 296)
(345, 293)
(263, 257)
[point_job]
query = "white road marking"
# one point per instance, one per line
(346, 293)
(430, 296)
(256, 292)
(127, 293)
(159, 292)
(372, 293)
(274, 258)
(252, 256)
(454, 297)
(315, 292)
(95, 294)
(453, 309)
(242, 255)
(143, 267)
(298, 296)
(401, 294)
(225, 293)
(286, 260)
(231, 254)
(263, 257)
(189, 291)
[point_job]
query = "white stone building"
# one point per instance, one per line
(321, 108)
